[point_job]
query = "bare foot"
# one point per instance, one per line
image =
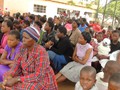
(1, 86)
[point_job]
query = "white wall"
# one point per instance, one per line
(19, 5)
(51, 7)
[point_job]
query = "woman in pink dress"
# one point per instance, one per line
(6, 27)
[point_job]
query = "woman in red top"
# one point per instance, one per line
(5, 29)
(32, 69)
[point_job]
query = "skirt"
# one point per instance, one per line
(72, 71)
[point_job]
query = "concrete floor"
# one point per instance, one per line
(66, 85)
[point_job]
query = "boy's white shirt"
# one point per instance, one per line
(99, 83)
(79, 87)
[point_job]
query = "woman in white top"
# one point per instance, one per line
(82, 56)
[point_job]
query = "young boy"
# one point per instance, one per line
(87, 79)
(114, 82)
(99, 37)
(95, 61)
(103, 77)
(115, 44)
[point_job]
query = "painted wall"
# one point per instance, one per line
(51, 7)
(1, 4)
(19, 5)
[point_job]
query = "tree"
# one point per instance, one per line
(114, 11)
(104, 12)
(110, 10)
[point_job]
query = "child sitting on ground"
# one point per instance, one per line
(103, 77)
(114, 82)
(87, 79)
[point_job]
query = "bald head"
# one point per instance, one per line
(115, 78)
(90, 70)
(114, 81)
(112, 67)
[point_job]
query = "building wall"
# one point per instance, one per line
(51, 7)
(1, 4)
(19, 5)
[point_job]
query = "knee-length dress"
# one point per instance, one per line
(72, 70)
(5, 68)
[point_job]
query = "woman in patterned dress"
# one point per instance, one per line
(32, 69)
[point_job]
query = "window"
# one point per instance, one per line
(59, 10)
(88, 13)
(39, 8)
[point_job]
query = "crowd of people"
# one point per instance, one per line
(36, 53)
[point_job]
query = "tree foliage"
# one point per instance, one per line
(110, 9)
(71, 2)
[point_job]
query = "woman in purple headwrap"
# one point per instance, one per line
(10, 51)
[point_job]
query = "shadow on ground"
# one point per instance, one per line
(66, 85)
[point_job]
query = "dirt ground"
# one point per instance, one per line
(66, 85)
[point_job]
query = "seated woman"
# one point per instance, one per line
(11, 49)
(49, 35)
(82, 56)
(31, 70)
(5, 29)
(75, 33)
(60, 53)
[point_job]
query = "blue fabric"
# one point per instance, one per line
(58, 60)
(82, 29)
(21, 32)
